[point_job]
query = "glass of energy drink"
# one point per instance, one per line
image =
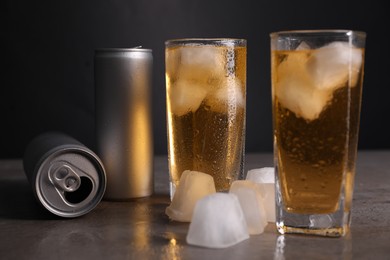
(317, 79)
(206, 101)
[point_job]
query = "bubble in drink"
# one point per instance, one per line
(218, 222)
(252, 205)
(193, 186)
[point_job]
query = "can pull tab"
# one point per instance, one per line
(72, 184)
(65, 178)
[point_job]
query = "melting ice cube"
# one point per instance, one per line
(303, 46)
(333, 65)
(206, 56)
(261, 175)
(321, 221)
(295, 90)
(265, 181)
(305, 83)
(228, 95)
(201, 62)
(218, 222)
(192, 186)
(186, 96)
(252, 205)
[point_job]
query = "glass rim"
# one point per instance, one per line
(206, 41)
(318, 32)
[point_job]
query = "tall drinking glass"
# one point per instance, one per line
(206, 93)
(317, 79)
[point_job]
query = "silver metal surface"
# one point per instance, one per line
(67, 178)
(123, 121)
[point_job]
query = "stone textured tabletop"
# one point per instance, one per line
(139, 229)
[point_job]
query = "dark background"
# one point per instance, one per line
(47, 81)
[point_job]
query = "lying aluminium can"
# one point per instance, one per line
(124, 139)
(67, 178)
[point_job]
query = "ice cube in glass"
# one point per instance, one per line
(186, 96)
(335, 64)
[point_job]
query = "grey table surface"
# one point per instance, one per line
(139, 229)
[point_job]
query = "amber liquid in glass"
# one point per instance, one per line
(206, 111)
(315, 150)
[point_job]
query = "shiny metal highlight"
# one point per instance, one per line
(123, 121)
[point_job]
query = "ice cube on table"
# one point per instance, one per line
(265, 181)
(335, 64)
(192, 186)
(252, 205)
(261, 175)
(218, 222)
(186, 96)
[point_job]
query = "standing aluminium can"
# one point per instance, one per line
(124, 139)
(67, 178)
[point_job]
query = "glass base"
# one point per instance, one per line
(329, 225)
(310, 218)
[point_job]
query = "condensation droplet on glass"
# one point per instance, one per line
(196, 132)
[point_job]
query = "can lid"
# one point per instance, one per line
(122, 50)
(70, 181)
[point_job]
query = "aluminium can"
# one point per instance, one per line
(67, 178)
(123, 122)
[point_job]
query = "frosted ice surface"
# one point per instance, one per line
(261, 175)
(228, 94)
(321, 221)
(201, 62)
(303, 46)
(231, 92)
(334, 64)
(306, 83)
(295, 89)
(252, 205)
(207, 56)
(265, 181)
(186, 96)
(201, 69)
(218, 222)
(192, 186)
